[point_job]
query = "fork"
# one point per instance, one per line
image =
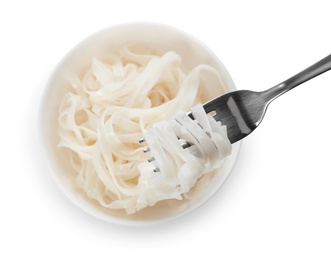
(243, 110)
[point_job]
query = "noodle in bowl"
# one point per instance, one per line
(153, 40)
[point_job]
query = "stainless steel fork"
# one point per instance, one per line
(243, 110)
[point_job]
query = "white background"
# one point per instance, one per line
(276, 203)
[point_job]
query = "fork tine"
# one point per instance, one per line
(151, 159)
(146, 150)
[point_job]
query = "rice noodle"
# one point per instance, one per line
(178, 169)
(112, 106)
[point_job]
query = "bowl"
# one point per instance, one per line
(161, 38)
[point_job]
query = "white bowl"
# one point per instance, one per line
(162, 38)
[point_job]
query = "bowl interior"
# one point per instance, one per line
(161, 39)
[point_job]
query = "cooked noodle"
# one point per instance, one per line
(108, 110)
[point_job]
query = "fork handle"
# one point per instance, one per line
(303, 76)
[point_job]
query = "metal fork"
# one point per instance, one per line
(243, 110)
